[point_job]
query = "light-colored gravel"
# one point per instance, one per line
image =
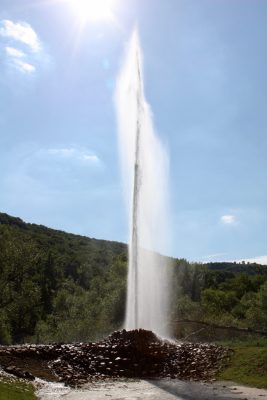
(153, 390)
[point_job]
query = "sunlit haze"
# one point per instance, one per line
(87, 10)
(205, 79)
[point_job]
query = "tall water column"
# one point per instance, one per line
(144, 164)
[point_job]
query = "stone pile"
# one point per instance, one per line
(131, 354)
(19, 373)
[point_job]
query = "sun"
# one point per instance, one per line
(92, 9)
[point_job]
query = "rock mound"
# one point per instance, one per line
(131, 354)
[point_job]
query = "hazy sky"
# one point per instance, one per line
(205, 68)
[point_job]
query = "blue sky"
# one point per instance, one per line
(205, 77)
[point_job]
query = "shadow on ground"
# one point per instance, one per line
(196, 391)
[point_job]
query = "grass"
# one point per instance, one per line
(16, 390)
(247, 364)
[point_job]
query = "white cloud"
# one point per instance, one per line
(75, 154)
(14, 53)
(65, 152)
(15, 56)
(228, 219)
(215, 256)
(259, 260)
(18, 55)
(90, 158)
(21, 32)
(24, 66)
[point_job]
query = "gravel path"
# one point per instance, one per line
(153, 390)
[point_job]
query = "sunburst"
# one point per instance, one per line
(92, 9)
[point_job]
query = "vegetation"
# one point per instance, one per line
(248, 363)
(234, 297)
(56, 286)
(15, 390)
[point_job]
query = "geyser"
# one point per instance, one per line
(145, 172)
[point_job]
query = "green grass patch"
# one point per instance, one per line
(16, 390)
(247, 364)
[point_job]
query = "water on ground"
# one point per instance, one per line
(153, 390)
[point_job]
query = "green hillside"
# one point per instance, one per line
(56, 286)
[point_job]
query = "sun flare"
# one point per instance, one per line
(92, 9)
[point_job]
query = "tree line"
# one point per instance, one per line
(60, 287)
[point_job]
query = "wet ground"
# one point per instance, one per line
(153, 390)
(122, 366)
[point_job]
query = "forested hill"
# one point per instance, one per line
(62, 242)
(57, 286)
(237, 268)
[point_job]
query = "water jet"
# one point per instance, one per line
(145, 169)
